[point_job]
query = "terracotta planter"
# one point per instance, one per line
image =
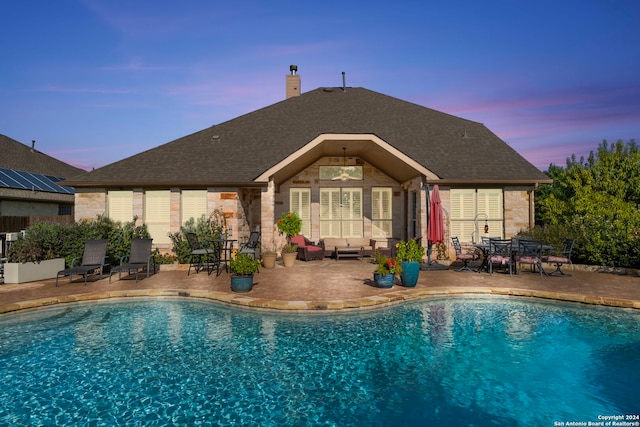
(289, 258)
(269, 259)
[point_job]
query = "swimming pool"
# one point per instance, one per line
(457, 361)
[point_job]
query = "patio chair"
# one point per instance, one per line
(560, 258)
(202, 257)
(463, 256)
(94, 258)
(307, 250)
(529, 253)
(251, 245)
(500, 252)
(139, 259)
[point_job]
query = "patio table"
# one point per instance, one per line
(484, 247)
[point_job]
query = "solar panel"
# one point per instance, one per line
(10, 178)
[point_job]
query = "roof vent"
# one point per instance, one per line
(33, 145)
(344, 81)
(293, 69)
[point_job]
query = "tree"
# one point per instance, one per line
(597, 200)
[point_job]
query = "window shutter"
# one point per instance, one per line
(300, 199)
(193, 204)
(381, 212)
(157, 209)
(120, 205)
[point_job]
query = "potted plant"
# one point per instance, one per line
(385, 273)
(289, 254)
(290, 225)
(243, 266)
(409, 254)
(269, 257)
(30, 259)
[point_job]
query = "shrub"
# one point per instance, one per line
(212, 228)
(44, 241)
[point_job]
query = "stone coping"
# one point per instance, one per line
(363, 303)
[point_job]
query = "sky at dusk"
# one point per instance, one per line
(96, 81)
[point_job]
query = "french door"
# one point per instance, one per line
(341, 212)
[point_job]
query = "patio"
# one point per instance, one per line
(320, 286)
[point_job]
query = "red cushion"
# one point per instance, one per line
(298, 240)
(314, 248)
(557, 259)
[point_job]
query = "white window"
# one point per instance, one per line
(381, 212)
(157, 209)
(300, 203)
(193, 204)
(471, 209)
(341, 212)
(120, 205)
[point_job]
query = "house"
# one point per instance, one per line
(30, 187)
(350, 161)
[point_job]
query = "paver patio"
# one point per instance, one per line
(318, 286)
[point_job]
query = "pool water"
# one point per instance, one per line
(455, 361)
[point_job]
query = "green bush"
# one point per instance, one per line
(44, 241)
(207, 229)
(596, 201)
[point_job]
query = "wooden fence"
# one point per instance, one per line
(17, 223)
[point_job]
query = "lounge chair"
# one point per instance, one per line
(202, 257)
(139, 259)
(307, 250)
(93, 258)
(463, 256)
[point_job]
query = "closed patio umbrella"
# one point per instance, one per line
(435, 226)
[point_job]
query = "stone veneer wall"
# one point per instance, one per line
(89, 203)
(518, 211)
(309, 178)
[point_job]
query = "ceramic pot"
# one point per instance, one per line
(384, 280)
(410, 273)
(242, 283)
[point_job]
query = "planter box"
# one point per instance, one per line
(15, 272)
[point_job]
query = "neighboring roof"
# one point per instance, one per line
(20, 180)
(241, 149)
(19, 157)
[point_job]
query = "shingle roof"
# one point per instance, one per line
(240, 149)
(17, 156)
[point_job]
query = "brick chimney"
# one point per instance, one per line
(293, 82)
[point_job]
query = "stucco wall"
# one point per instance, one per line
(27, 208)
